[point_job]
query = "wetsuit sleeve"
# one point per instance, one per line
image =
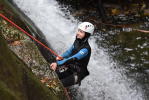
(80, 55)
(68, 52)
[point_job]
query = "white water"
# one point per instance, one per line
(104, 82)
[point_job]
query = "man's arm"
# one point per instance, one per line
(80, 55)
(68, 52)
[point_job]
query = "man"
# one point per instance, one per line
(71, 67)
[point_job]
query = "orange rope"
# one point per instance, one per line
(66, 93)
(29, 35)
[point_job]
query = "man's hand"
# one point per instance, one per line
(53, 66)
(59, 58)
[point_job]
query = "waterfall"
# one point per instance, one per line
(106, 81)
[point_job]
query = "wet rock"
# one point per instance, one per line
(17, 82)
(25, 49)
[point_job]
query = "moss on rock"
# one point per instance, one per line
(17, 82)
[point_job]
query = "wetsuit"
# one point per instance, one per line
(76, 59)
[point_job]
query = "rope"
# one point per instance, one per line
(66, 93)
(29, 35)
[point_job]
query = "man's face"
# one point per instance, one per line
(80, 34)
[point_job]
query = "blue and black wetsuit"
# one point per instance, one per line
(77, 56)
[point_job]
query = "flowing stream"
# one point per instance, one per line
(107, 81)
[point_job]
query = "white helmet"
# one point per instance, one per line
(87, 27)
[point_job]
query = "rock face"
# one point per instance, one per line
(17, 82)
(22, 65)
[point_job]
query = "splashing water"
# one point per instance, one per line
(106, 81)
